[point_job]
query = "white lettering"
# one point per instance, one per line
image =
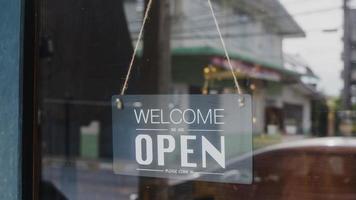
(153, 116)
(208, 116)
(185, 151)
(207, 147)
(216, 116)
(142, 114)
(162, 118)
(167, 144)
(149, 149)
(171, 116)
(161, 150)
(178, 116)
(185, 116)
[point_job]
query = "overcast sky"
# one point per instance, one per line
(321, 50)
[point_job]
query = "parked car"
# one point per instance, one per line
(310, 169)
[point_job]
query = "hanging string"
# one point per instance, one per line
(149, 5)
(225, 49)
(124, 87)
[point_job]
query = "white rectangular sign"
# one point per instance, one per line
(187, 137)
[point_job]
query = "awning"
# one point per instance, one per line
(242, 64)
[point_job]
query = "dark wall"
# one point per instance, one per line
(85, 51)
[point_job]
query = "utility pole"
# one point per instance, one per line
(347, 57)
(155, 66)
(155, 78)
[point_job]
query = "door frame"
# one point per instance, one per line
(30, 146)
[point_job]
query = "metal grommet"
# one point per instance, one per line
(241, 101)
(119, 104)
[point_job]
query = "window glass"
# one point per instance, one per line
(295, 58)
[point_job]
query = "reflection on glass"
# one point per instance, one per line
(286, 55)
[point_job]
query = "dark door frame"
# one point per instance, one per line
(30, 147)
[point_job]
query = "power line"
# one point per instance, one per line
(198, 29)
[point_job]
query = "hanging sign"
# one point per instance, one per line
(187, 137)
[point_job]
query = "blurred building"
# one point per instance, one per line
(349, 72)
(352, 88)
(312, 112)
(349, 57)
(353, 53)
(254, 33)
